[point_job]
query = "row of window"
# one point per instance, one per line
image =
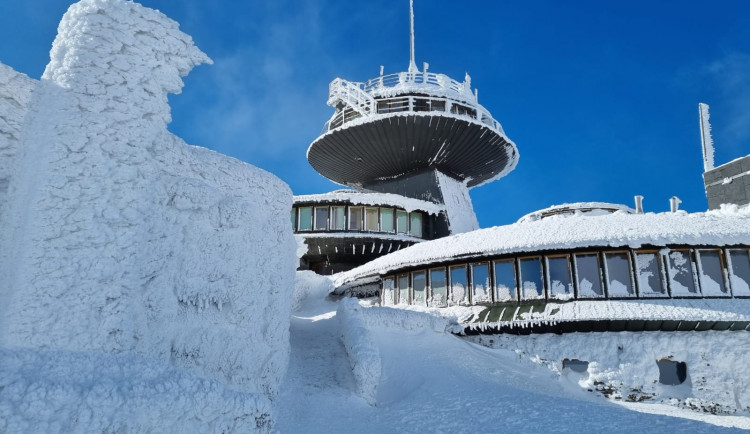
(710, 272)
(356, 218)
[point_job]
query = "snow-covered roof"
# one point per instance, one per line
(355, 197)
(729, 225)
(566, 209)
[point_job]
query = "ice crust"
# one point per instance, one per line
(120, 238)
(355, 197)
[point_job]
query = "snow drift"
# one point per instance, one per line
(120, 238)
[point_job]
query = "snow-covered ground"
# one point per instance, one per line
(431, 381)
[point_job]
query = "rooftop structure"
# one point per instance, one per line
(413, 135)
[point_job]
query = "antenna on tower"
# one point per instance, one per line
(412, 62)
(706, 140)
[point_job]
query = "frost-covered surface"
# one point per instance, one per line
(623, 365)
(364, 357)
(64, 392)
(729, 225)
(15, 94)
(706, 139)
(123, 238)
(355, 197)
(458, 206)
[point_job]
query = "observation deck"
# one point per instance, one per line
(409, 122)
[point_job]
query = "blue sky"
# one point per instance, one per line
(599, 96)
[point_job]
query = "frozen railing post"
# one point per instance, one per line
(639, 204)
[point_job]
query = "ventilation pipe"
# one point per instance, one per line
(674, 203)
(639, 204)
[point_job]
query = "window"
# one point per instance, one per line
(459, 286)
(739, 265)
(505, 280)
(438, 288)
(682, 274)
(559, 281)
(305, 218)
(531, 278)
(321, 218)
(619, 275)
(711, 272)
(419, 287)
(371, 219)
(338, 218)
(355, 218)
(415, 220)
(403, 289)
(589, 276)
(480, 283)
(650, 281)
(294, 219)
(388, 291)
(386, 220)
(402, 222)
(671, 373)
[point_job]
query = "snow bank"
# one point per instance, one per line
(63, 392)
(310, 284)
(123, 238)
(364, 356)
(623, 365)
(729, 225)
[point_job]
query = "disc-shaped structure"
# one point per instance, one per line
(389, 146)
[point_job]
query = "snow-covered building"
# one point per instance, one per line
(411, 145)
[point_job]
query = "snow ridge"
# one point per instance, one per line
(364, 355)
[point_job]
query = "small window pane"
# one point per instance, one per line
(294, 219)
(388, 291)
(619, 281)
(338, 218)
(403, 289)
(355, 218)
(438, 287)
(419, 287)
(459, 290)
(480, 282)
(402, 222)
(740, 267)
(371, 219)
(531, 279)
(505, 281)
(560, 282)
(305, 218)
(415, 227)
(650, 283)
(682, 274)
(321, 218)
(589, 276)
(711, 273)
(386, 220)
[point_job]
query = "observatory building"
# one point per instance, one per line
(410, 145)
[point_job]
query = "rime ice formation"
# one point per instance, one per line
(458, 206)
(117, 236)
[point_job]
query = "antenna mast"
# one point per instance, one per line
(412, 63)
(706, 140)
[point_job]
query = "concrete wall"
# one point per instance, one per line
(728, 183)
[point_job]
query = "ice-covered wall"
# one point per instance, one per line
(124, 238)
(458, 206)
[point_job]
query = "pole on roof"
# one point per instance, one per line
(412, 62)
(706, 140)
